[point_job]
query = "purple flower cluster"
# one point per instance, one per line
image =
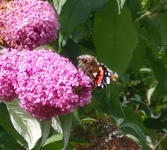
(27, 24)
(8, 74)
(45, 83)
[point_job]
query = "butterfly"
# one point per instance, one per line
(99, 73)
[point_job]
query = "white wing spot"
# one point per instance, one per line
(108, 80)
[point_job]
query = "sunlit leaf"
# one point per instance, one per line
(5, 122)
(58, 4)
(66, 122)
(145, 4)
(53, 139)
(86, 120)
(25, 125)
(45, 128)
(120, 4)
(56, 125)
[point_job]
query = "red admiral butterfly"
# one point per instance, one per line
(99, 73)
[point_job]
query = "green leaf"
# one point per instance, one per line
(56, 125)
(75, 12)
(133, 137)
(134, 7)
(160, 72)
(160, 90)
(146, 4)
(8, 126)
(115, 37)
(53, 139)
(6, 138)
(109, 102)
(7, 142)
(114, 100)
(66, 123)
(157, 123)
(139, 55)
(88, 120)
(120, 5)
(133, 117)
(138, 131)
(53, 145)
(26, 126)
(45, 127)
(58, 4)
(163, 116)
(158, 67)
(153, 123)
(152, 30)
(142, 106)
(160, 22)
(47, 47)
(145, 70)
(71, 50)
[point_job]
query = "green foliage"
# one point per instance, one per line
(138, 131)
(75, 12)
(130, 37)
(66, 122)
(7, 125)
(112, 43)
(23, 123)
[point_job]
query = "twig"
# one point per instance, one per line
(155, 9)
(159, 141)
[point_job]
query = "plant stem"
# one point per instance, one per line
(155, 9)
(159, 141)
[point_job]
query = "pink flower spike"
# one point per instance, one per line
(27, 24)
(8, 77)
(50, 85)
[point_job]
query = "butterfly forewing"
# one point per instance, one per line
(99, 73)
